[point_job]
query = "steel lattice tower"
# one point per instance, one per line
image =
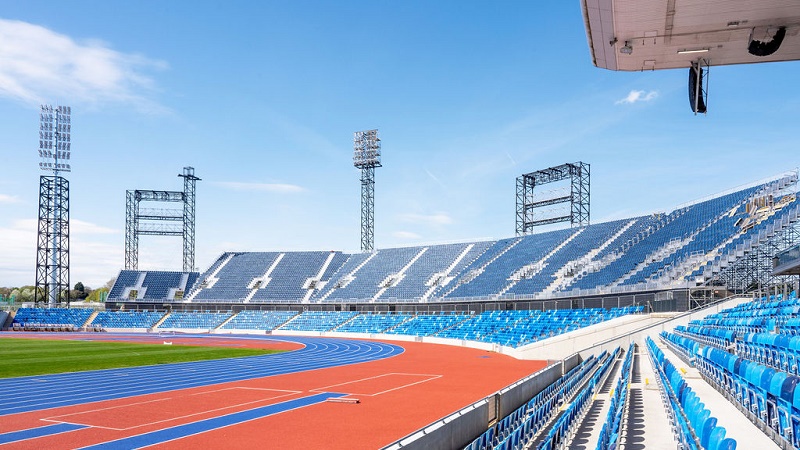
(161, 222)
(52, 243)
(528, 206)
(367, 156)
(189, 186)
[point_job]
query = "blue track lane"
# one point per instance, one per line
(189, 429)
(33, 433)
(25, 394)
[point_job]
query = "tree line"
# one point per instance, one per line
(80, 292)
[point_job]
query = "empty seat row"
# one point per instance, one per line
(769, 397)
(531, 419)
(692, 423)
(567, 423)
(617, 411)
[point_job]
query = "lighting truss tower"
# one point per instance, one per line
(52, 243)
(529, 206)
(161, 221)
(189, 185)
(367, 156)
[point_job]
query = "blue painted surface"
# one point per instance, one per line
(24, 394)
(32, 433)
(201, 426)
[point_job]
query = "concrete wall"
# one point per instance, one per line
(522, 391)
(665, 324)
(561, 346)
(459, 429)
(182, 330)
(448, 432)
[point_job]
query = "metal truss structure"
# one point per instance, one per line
(367, 156)
(529, 206)
(189, 190)
(161, 221)
(52, 243)
(754, 270)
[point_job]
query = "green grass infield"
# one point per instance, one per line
(22, 357)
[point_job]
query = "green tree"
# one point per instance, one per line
(80, 292)
(97, 295)
(25, 294)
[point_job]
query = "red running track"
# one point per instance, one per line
(397, 396)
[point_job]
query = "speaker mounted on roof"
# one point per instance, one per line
(759, 48)
(698, 93)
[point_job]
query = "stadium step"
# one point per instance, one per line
(746, 434)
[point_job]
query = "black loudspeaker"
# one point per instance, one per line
(696, 101)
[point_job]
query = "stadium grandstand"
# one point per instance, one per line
(660, 330)
(671, 329)
(691, 246)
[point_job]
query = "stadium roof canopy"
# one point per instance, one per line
(633, 35)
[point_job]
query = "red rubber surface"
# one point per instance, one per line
(398, 396)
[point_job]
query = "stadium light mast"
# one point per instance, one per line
(52, 247)
(367, 156)
(189, 190)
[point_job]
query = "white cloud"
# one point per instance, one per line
(39, 64)
(4, 198)
(80, 227)
(635, 96)
(427, 219)
(278, 188)
(408, 235)
(18, 263)
(92, 260)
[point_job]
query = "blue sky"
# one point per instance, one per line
(262, 98)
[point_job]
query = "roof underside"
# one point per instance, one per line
(655, 31)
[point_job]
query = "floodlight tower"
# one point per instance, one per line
(52, 248)
(367, 156)
(189, 189)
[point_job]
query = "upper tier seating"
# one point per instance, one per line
(495, 276)
(369, 278)
(234, 276)
(151, 285)
(290, 274)
(687, 245)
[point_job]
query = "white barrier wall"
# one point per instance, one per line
(667, 324)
